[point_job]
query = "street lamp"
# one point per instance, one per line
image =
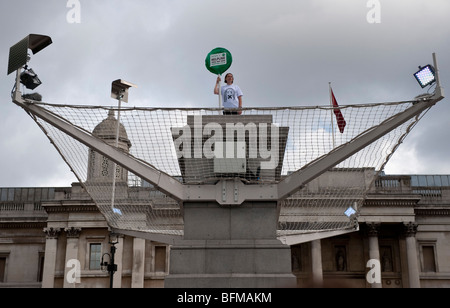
(110, 267)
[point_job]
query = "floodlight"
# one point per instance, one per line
(18, 54)
(350, 211)
(425, 75)
(29, 79)
(119, 90)
(117, 211)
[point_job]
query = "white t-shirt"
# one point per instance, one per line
(230, 94)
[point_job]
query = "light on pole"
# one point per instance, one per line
(19, 57)
(119, 91)
(110, 266)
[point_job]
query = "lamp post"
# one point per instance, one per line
(110, 267)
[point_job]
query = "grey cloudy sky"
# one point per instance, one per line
(284, 54)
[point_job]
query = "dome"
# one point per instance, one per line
(106, 130)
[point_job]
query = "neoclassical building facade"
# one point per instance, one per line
(404, 223)
(56, 237)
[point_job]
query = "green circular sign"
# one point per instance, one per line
(218, 61)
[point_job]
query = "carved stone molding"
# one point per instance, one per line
(72, 208)
(23, 225)
(72, 232)
(410, 229)
(52, 233)
(373, 228)
(391, 202)
(433, 212)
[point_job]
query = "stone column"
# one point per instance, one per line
(72, 235)
(51, 244)
(374, 250)
(411, 254)
(137, 274)
(316, 262)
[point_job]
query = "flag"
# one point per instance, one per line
(337, 112)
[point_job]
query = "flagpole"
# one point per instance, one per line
(332, 111)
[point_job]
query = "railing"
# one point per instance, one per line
(433, 190)
(12, 206)
(393, 184)
(21, 207)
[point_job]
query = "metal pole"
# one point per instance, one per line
(439, 92)
(18, 80)
(115, 164)
(220, 94)
(112, 265)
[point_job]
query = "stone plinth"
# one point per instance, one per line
(230, 247)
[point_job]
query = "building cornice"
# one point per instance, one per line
(432, 211)
(23, 224)
(392, 200)
(70, 206)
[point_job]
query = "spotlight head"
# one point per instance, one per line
(119, 89)
(350, 211)
(425, 75)
(29, 79)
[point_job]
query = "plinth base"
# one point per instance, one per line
(230, 247)
(237, 264)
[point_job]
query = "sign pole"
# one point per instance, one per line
(218, 61)
(220, 93)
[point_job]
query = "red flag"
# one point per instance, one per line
(337, 112)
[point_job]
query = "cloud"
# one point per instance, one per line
(284, 54)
